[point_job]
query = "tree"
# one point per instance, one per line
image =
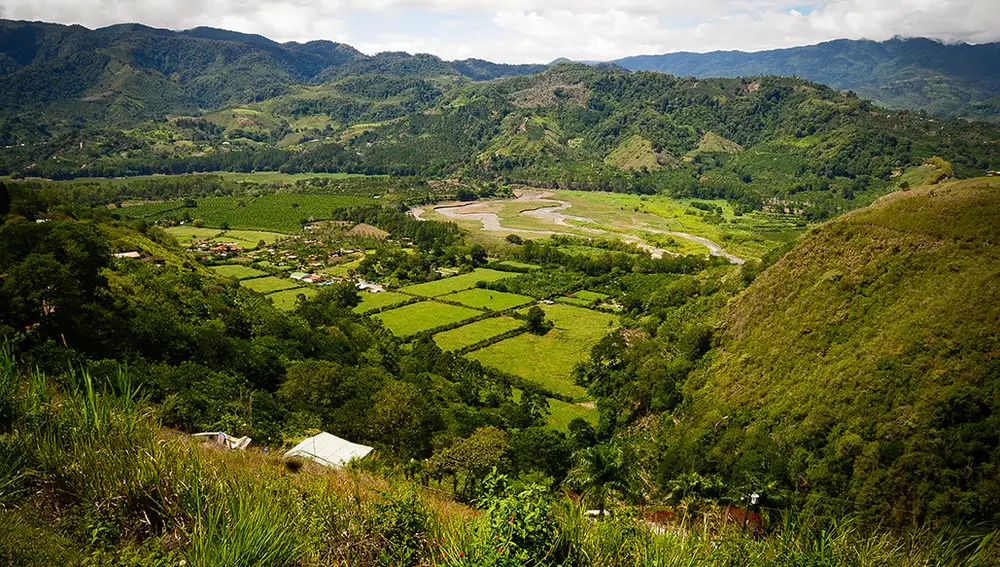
(602, 471)
(402, 420)
(478, 254)
(474, 457)
(536, 321)
(515, 239)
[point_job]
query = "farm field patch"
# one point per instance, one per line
(419, 317)
(452, 284)
(185, 235)
(520, 265)
(275, 212)
(238, 272)
(253, 236)
(270, 284)
(488, 299)
(549, 360)
(373, 301)
(473, 333)
(590, 295)
(285, 300)
(562, 413)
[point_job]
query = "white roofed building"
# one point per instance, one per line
(329, 450)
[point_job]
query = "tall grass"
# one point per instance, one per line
(95, 460)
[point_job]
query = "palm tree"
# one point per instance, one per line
(601, 470)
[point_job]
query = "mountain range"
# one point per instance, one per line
(132, 100)
(915, 73)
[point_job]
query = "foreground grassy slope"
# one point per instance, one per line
(867, 358)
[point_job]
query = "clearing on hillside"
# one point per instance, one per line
(416, 318)
(549, 360)
(488, 299)
(373, 301)
(456, 283)
(561, 413)
(286, 300)
(185, 235)
(270, 284)
(457, 339)
(237, 272)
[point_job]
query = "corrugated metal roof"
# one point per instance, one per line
(329, 450)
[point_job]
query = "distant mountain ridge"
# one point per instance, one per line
(146, 71)
(960, 80)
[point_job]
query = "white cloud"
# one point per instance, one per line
(537, 31)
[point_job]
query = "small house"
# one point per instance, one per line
(329, 450)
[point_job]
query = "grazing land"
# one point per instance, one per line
(286, 300)
(549, 360)
(185, 235)
(473, 333)
(561, 413)
(238, 272)
(590, 295)
(270, 284)
(488, 299)
(372, 301)
(419, 317)
(452, 284)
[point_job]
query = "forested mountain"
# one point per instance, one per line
(920, 74)
(132, 71)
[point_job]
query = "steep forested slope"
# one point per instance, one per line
(132, 71)
(950, 80)
(862, 369)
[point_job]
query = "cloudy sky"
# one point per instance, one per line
(538, 31)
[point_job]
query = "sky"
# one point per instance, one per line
(536, 31)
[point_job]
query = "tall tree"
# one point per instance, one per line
(602, 471)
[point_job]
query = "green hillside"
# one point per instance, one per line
(949, 79)
(130, 101)
(861, 370)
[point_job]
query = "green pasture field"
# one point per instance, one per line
(549, 360)
(253, 236)
(590, 295)
(276, 212)
(419, 317)
(473, 333)
(456, 283)
(488, 299)
(561, 413)
(342, 269)
(520, 265)
(373, 301)
(574, 301)
(285, 300)
(270, 284)
(185, 235)
(237, 272)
